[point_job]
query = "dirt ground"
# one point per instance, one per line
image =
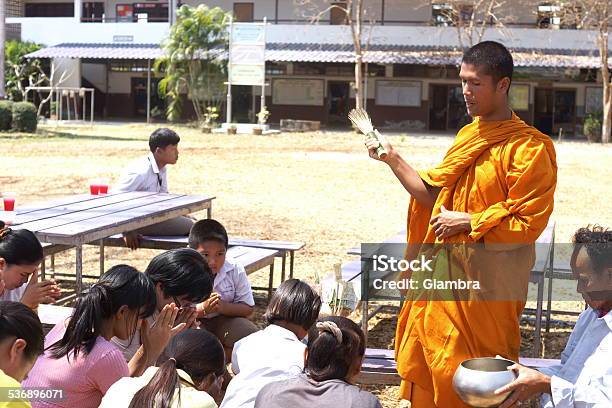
(319, 188)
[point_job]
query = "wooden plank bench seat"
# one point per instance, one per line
(172, 242)
(379, 367)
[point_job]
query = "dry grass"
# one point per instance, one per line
(320, 188)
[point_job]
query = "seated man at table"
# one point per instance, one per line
(150, 174)
(584, 377)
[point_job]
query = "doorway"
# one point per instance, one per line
(139, 96)
(338, 94)
(555, 110)
(447, 108)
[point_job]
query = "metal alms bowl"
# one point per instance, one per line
(476, 379)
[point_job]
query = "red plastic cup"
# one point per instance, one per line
(9, 204)
(103, 188)
(94, 189)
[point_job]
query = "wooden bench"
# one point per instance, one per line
(172, 242)
(379, 367)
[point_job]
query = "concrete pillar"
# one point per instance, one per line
(78, 7)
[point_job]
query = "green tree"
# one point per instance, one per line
(21, 72)
(194, 62)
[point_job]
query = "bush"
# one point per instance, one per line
(6, 115)
(592, 127)
(24, 117)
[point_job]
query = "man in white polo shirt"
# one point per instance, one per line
(150, 174)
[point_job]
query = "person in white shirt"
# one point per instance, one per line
(584, 377)
(150, 174)
(225, 313)
(277, 352)
(189, 374)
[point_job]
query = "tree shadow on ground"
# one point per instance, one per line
(52, 134)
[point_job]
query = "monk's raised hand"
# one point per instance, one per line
(372, 144)
(448, 223)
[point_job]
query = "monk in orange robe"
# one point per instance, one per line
(494, 186)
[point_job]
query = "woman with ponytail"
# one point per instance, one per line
(189, 374)
(79, 357)
(20, 255)
(333, 359)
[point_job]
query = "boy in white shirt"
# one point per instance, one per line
(150, 174)
(225, 313)
(277, 352)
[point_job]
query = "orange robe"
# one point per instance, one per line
(504, 174)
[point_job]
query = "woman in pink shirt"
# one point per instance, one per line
(79, 358)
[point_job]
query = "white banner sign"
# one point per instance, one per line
(247, 54)
(248, 33)
(247, 74)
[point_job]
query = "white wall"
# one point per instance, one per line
(55, 30)
(96, 74)
(69, 67)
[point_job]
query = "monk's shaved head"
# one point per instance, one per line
(492, 58)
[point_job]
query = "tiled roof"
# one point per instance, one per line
(100, 51)
(303, 52)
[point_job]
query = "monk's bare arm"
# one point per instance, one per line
(408, 176)
(412, 182)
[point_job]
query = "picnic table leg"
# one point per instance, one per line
(291, 264)
(209, 212)
(538, 317)
(52, 266)
(101, 257)
(364, 319)
(42, 269)
(79, 269)
(271, 281)
(283, 266)
(551, 271)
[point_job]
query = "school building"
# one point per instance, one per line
(411, 63)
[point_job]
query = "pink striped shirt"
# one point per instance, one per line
(84, 380)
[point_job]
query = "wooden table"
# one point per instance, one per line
(81, 219)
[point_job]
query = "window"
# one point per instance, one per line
(337, 15)
(92, 12)
(273, 68)
(340, 70)
(549, 15)
(442, 14)
(129, 66)
(306, 68)
(49, 10)
(244, 12)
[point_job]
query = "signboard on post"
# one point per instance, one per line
(247, 58)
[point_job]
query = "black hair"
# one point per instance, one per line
(597, 241)
(493, 57)
(182, 272)
(329, 359)
(121, 285)
(162, 138)
(295, 302)
(18, 320)
(207, 230)
(197, 352)
(19, 247)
